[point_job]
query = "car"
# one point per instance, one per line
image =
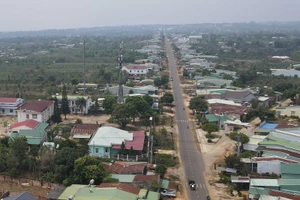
(168, 193)
(192, 184)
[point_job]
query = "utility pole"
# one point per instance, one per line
(238, 144)
(151, 158)
(84, 70)
(120, 89)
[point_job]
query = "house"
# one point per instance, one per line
(288, 111)
(40, 111)
(107, 141)
(139, 70)
(239, 95)
(107, 191)
(8, 106)
(21, 196)
(54, 194)
(76, 109)
(83, 131)
(264, 101)
(34, 137)
(253, 143)
(290, 171)
(148, 89)
(24, 125)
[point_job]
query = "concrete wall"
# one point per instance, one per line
(268, 167)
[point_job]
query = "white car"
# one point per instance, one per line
(168, 193)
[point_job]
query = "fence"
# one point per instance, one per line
(28, 182)
(128, 158)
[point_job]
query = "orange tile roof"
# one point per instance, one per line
(32, 124)
(124, 169)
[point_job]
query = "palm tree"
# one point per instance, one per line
(81, 102)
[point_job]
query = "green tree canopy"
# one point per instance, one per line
(210, 127)
(198, 104)
(140, 105)
(243, 138)
(108, 103)
(167, 98)
(65, 109)
(123, 114)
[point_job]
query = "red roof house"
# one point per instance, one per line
(24, 125)
(121, 186)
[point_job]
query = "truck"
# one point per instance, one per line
(192, 184)
(168, 193)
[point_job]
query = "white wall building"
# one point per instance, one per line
(8, 106)
(136, 69)
(40, 111)
(76, 108)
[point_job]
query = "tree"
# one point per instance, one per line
(87, 168)
(210, 127)
(167, 98)
(74, 81)
(56, 117)
(198, 104)
(64, 163)
(157, 82)
(17, 153)
(123, 114)
(140, 105)
(108, 103)
(65, 109)
(148, 99)
(243, 138)
(161, 170)
(3, 157)
(80, 102)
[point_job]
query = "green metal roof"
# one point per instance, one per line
(290, 168)
(264, 182)
(153, 195)
(215, 118)
(88, 193)
(70, 191)
(279, 154)
(41, 126)
(164, 184)
(282, 182)
(124, 178)
(34, 137)
(142, 193)
(272, 140)
(258, 190)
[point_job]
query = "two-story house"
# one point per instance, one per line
(136, 70)
(8, 106)
(77, 109)
(40, 111)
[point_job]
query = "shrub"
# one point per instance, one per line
(209, 136)
(209, 141)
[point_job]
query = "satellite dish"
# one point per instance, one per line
(70, 198)
(92, 182)
(91, 191)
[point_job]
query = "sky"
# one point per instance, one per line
(23, 15)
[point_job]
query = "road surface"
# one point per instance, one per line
(191, 158)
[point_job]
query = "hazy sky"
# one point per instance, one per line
(48, 14)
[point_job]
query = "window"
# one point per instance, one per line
(11, 110)
(106, 150)
(3, 111)
(34, 116)
(293, 112)
(97, 150)
(130, 70)
(27, 116)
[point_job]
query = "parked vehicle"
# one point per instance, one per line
(192, 184)
(168, 193)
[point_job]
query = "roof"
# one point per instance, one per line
(272, 140)
(264, 182)
(219, 108)
(223, 101)
(164, 184)
(240, 179)
(215, 118)
(121, 186)
(236, 94)
(124, 178)
(258, 190)
(54, 194)
(273, 158)
(136, 67)
(255, 139)
(70, 191)
(125, 169)
(8, 100)
(267, 126)
(282, 182)
(152, 195)
(38, 106)
(32, 124)
(107, 136)
(290, 153)
(277, 193)
(34, 137)
(87, 193)
(290, 168)
(137, 143)
(72, 97)
(145, 178)
(87, 129)
(21, 196)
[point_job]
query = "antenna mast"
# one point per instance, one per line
(84, 70)
(120, 89)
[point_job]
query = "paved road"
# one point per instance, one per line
(191, 158)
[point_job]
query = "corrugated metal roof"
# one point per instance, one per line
(282, 182)
(152, 195)
(124, 178)
(258, 190)
(272, 140)
(290, 168)
(164, 184)
(70, 191)
(264, 182)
